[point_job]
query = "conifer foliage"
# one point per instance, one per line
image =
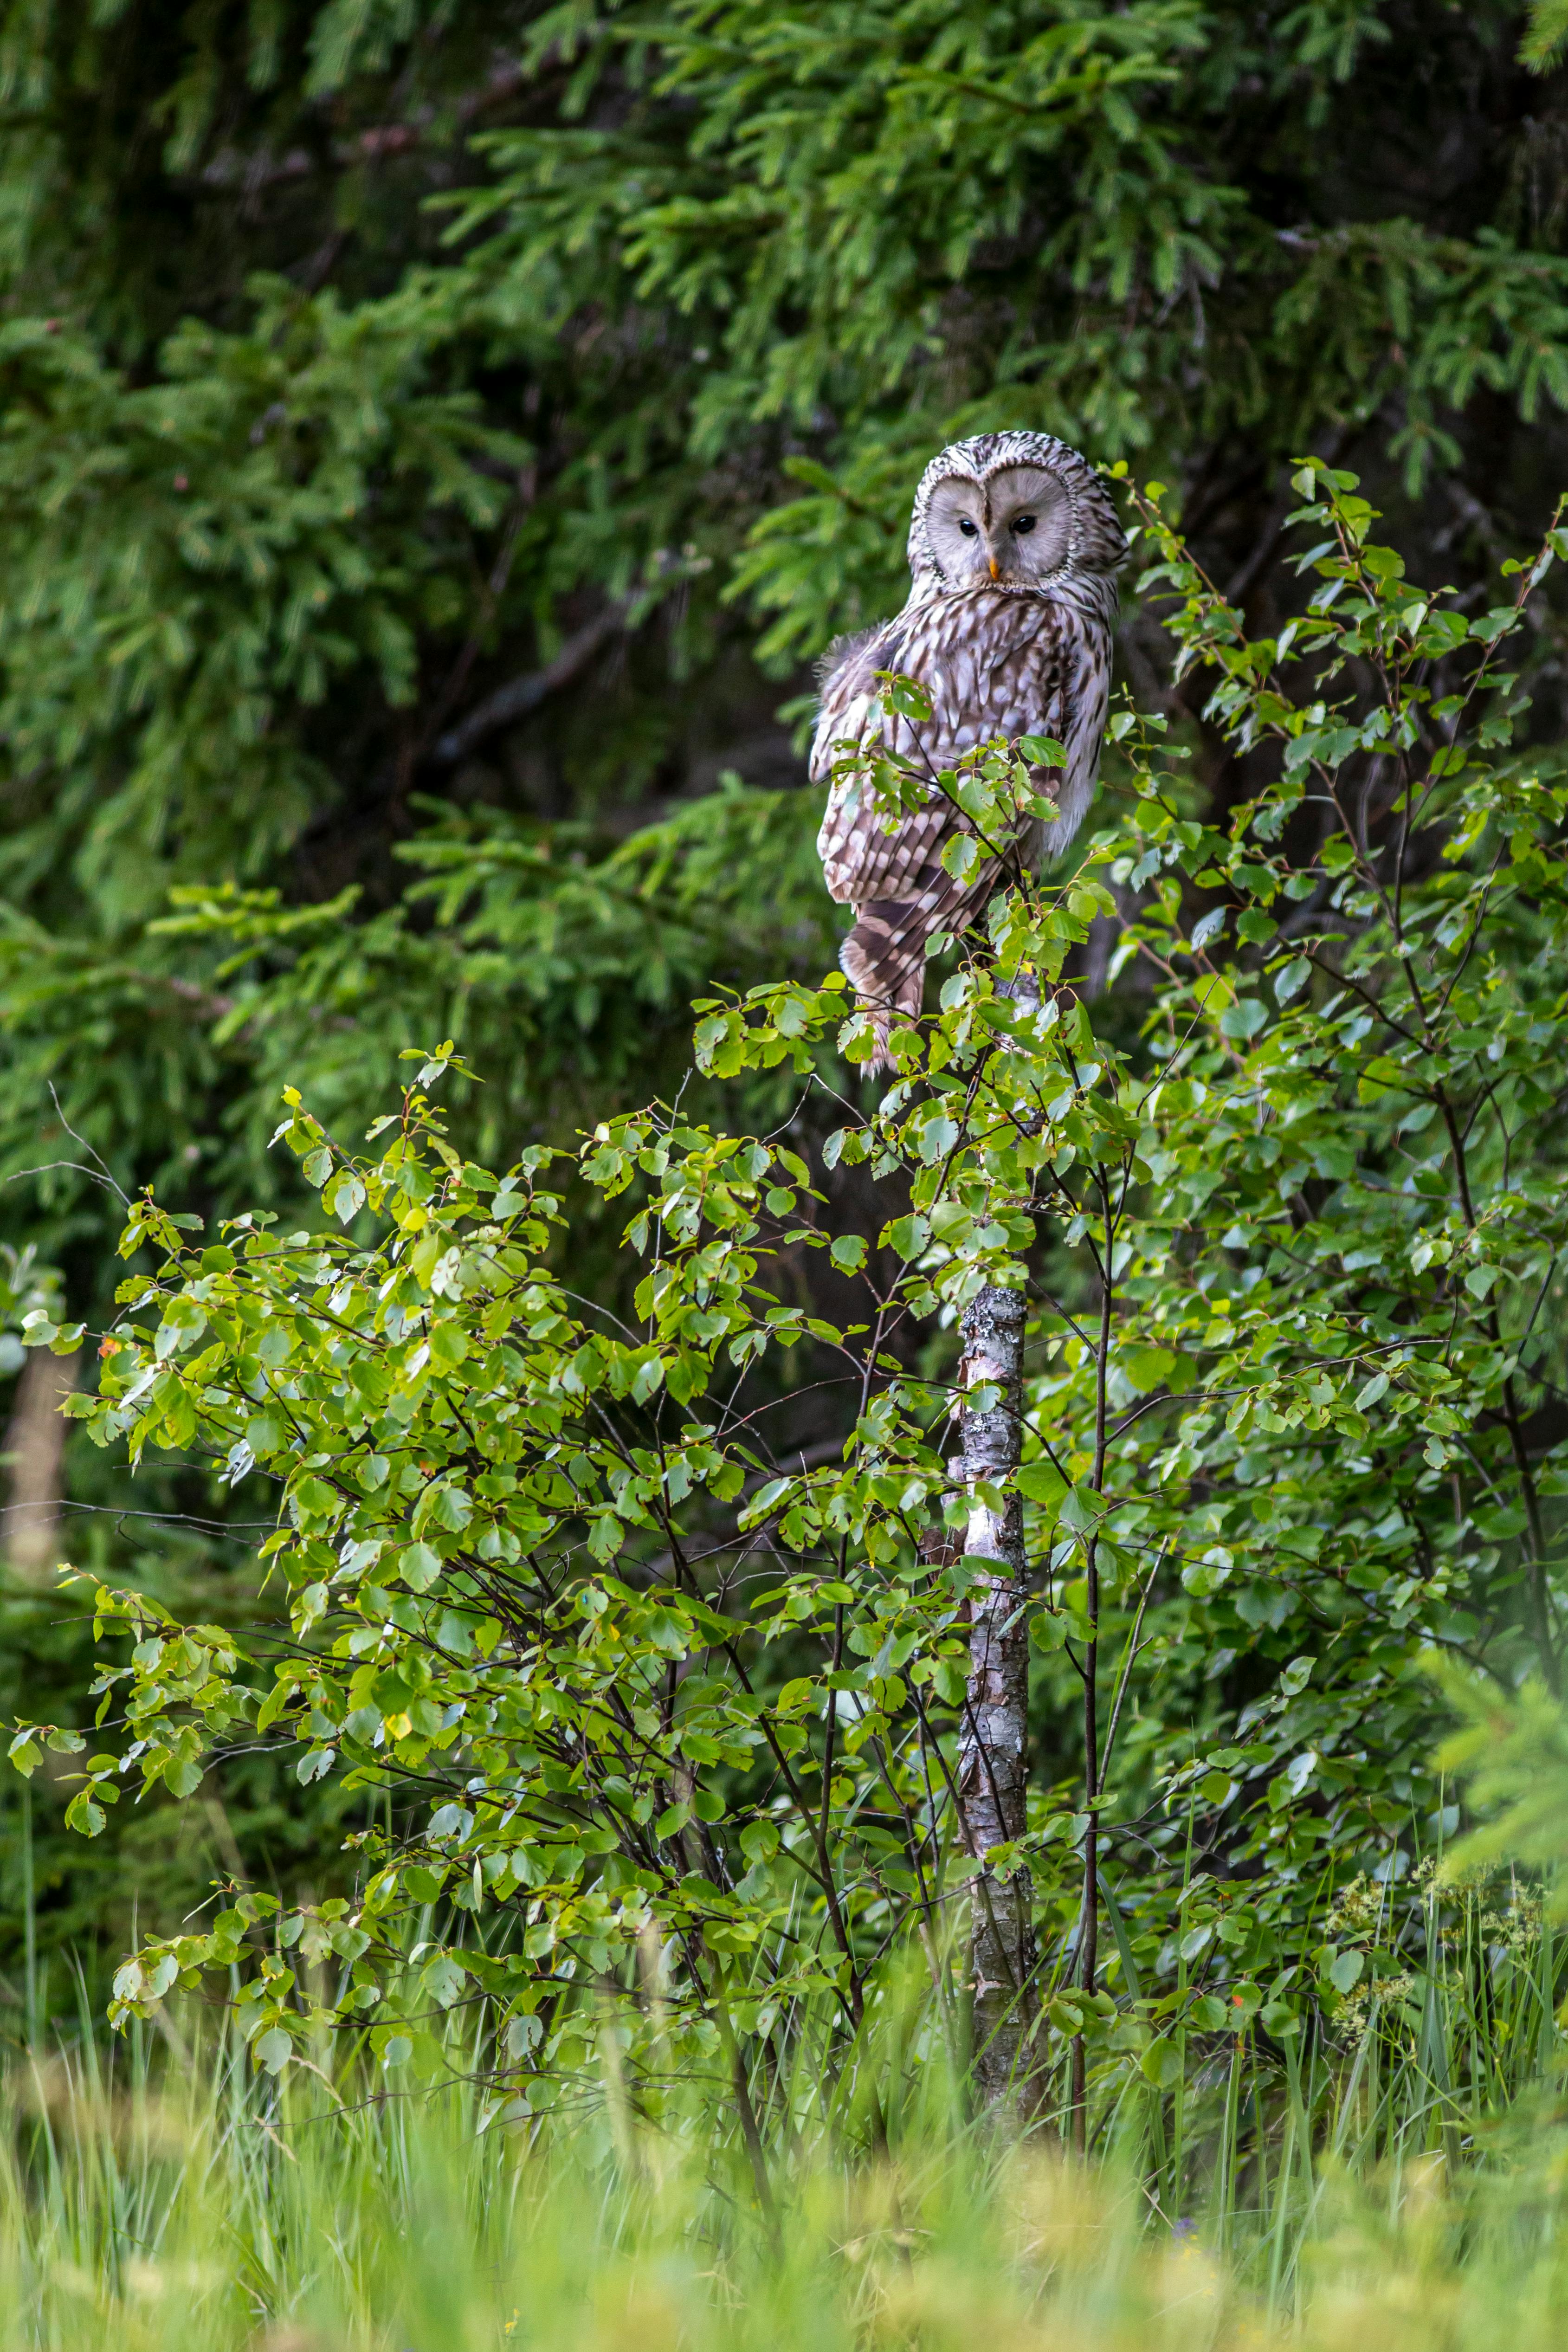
(365, 368)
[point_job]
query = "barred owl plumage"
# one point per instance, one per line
(1013, 546)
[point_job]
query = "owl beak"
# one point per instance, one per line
(995, 573)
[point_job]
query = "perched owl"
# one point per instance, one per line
(1013, 545)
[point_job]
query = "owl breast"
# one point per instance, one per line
(995, 664)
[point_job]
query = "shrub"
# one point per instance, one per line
(659, 1715)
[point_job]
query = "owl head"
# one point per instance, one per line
(1018, 510)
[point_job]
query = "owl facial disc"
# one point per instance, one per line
(1020, 511)
(1012, 529)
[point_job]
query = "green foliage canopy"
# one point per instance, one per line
(548, 1571)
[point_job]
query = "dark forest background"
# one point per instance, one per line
(436, 441)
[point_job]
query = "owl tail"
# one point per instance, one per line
(884, 955)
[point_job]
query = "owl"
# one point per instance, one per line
(1013, 548)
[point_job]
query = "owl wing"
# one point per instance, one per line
(851, 712)
(1070, 684)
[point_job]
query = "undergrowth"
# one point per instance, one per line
(1398, 2180)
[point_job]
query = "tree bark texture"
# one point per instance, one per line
(34, 1447)
(994, 1751)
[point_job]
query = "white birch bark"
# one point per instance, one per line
(994, 1751)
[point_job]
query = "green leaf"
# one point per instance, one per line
(450, 1507)
(449, 1346)
(1042, 1481)
(419, 1566)
(316, 1502)
(444, 1979)
(1244, 1019)
(1161, 2064)
(937, 1136)
(273, 2050)
(346, 1198)
(908, 1235)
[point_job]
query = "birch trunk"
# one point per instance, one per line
(994, 1751)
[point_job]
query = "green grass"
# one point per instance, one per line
(1396, 2181)
(191, 2218)
(162, 2196)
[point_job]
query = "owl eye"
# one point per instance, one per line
(1023, 523)
(966, 526)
